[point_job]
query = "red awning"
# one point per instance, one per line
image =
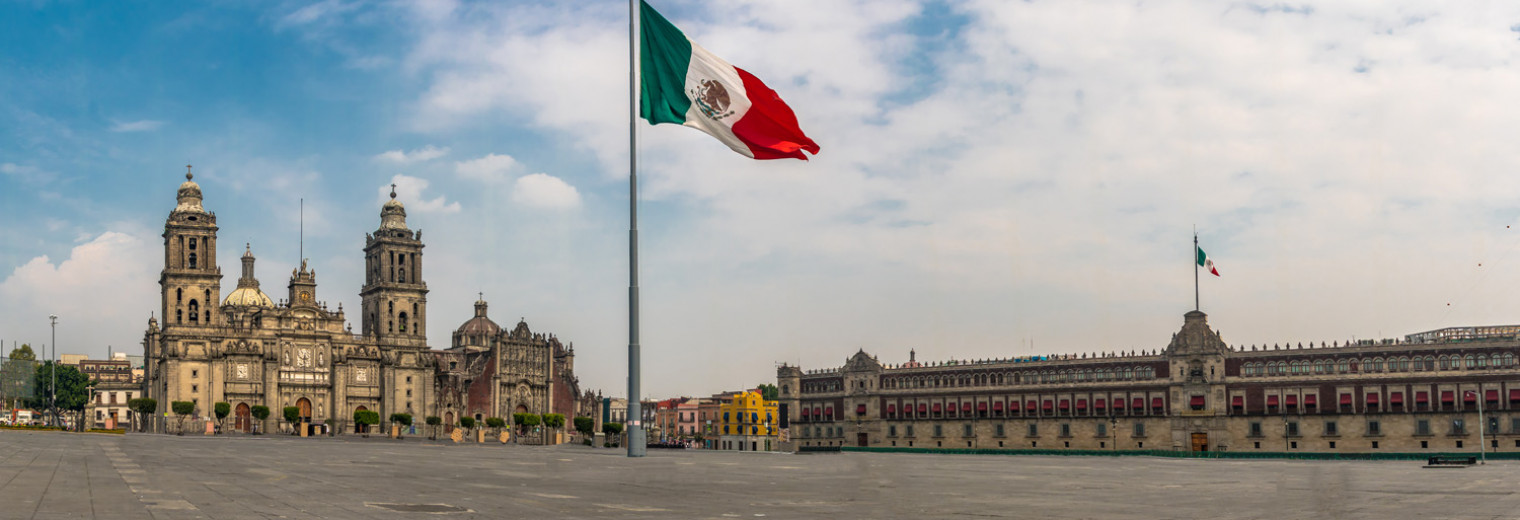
(1048, 404)
(860, 409)
(829, 411)
(1139, 403)
(1100, 404)
(1345, 399)
(1238, 401)
(922, 408)
(1491, 395)
(1396, 398)
(982, 407)
(1372, 399)
(965, 407)
(1471, 397)
(1422, 397)
(1119, 403)
(937, 408)
(1514, 395)
(891, 408)
(1066, 404)
(997, 406)
(817, 411)
(1292, 400)
(1447, 396)
(1158, 403)
(1271, 400)
(1030, 405)
(1081, 404)
(1197, 400)
(1309, 400)
(805, 412)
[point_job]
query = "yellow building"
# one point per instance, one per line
(748, 422)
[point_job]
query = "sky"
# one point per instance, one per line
(996, 178)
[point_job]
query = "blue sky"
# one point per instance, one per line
(997, 178)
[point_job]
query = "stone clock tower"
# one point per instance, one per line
(191, 282)
(394, 295)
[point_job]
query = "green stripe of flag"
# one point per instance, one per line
(664, 54)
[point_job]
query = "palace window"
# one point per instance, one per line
(1330, 428)
(1458, 427)
(1102, 430)
(1422, 427)
(1374, 428)
(1034, 430)
(967, 431)
(1255, 429)
(939, 431)
(998, 430)
(1292, 429)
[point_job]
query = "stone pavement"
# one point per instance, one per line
(46, 475)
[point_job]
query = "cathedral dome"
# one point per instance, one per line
(479, 325)
(189, 194)
(247, 293)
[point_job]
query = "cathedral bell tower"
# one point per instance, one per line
(191, 282)
(394, 295)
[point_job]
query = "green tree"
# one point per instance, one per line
(17, 374)
(142, 408)
(769, 392)
(365, 419)
(222, 410)
(584, 425)
(496, 423)
(402, 419)
(292, 415)
(554, 420)
(612, 428)
(181, 409)
(261, 413)
(434, 421)
(466, 422)
(73, 389)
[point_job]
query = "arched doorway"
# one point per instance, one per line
(304, 405)
(448, 422)
(359, 428)
(243, 418)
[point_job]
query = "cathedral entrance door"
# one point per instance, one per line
(242, 418)
(305, 405)
(448, 422)
(1200, 442)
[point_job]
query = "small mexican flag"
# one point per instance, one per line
(682, 83)
(1205, 261)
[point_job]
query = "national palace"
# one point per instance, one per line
(1421, 393)
(248, 350)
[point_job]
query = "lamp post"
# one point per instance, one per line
(53, 385)
(1482, 444)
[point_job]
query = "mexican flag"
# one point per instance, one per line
(682, 83)
(1205, 261)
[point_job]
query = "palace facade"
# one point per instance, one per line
(1422, 393)
(248, 350)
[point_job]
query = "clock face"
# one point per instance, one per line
(305, 296)
(242, 371)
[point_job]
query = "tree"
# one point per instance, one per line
(292, 415)
(365, 419)
(496, 423)
(143, 408)
(73, 389)
(181, 409)
(769, 392)
(554, 420)
(222, 410)
(17, 375)
(403, 419)
(612, 428)
(468, 423)
(584, 425)
(434, 421)
(261, 413)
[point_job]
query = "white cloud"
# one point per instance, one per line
(103, 294)
(489, 168)
(323, 11)
(409, 192)
(25, 173)
(142, 125)
(545, 191)
(426, 153)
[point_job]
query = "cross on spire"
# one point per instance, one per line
(393, 190)
(188, 175)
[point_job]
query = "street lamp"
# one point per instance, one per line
(1482, 444)
(53, 371)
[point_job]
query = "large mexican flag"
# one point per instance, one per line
(682, 83)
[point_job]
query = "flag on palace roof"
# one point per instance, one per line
(682, 83)
(1206, 262)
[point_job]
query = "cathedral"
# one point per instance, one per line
(247, 349)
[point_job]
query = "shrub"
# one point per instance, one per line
(182, 407)
(612, 428)
(145, 407)
(433, 420)
(260, 412)
(221, 410)
(554, 420)
(404, 418)
(292, 414)
(495, 422)
(467, 422)
(584, 425)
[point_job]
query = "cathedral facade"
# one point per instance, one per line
(248, 350)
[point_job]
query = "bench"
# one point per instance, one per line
(1451, 461)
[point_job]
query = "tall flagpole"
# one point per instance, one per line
(635, 413)
(1195, 268)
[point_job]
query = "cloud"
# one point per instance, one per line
(490, 168)
(324, 11)
(103, 293)
(426, 153)
(409, 192)
(142, 125)
(26, 174)
(545, 191)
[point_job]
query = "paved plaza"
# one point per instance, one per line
(46, 475)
